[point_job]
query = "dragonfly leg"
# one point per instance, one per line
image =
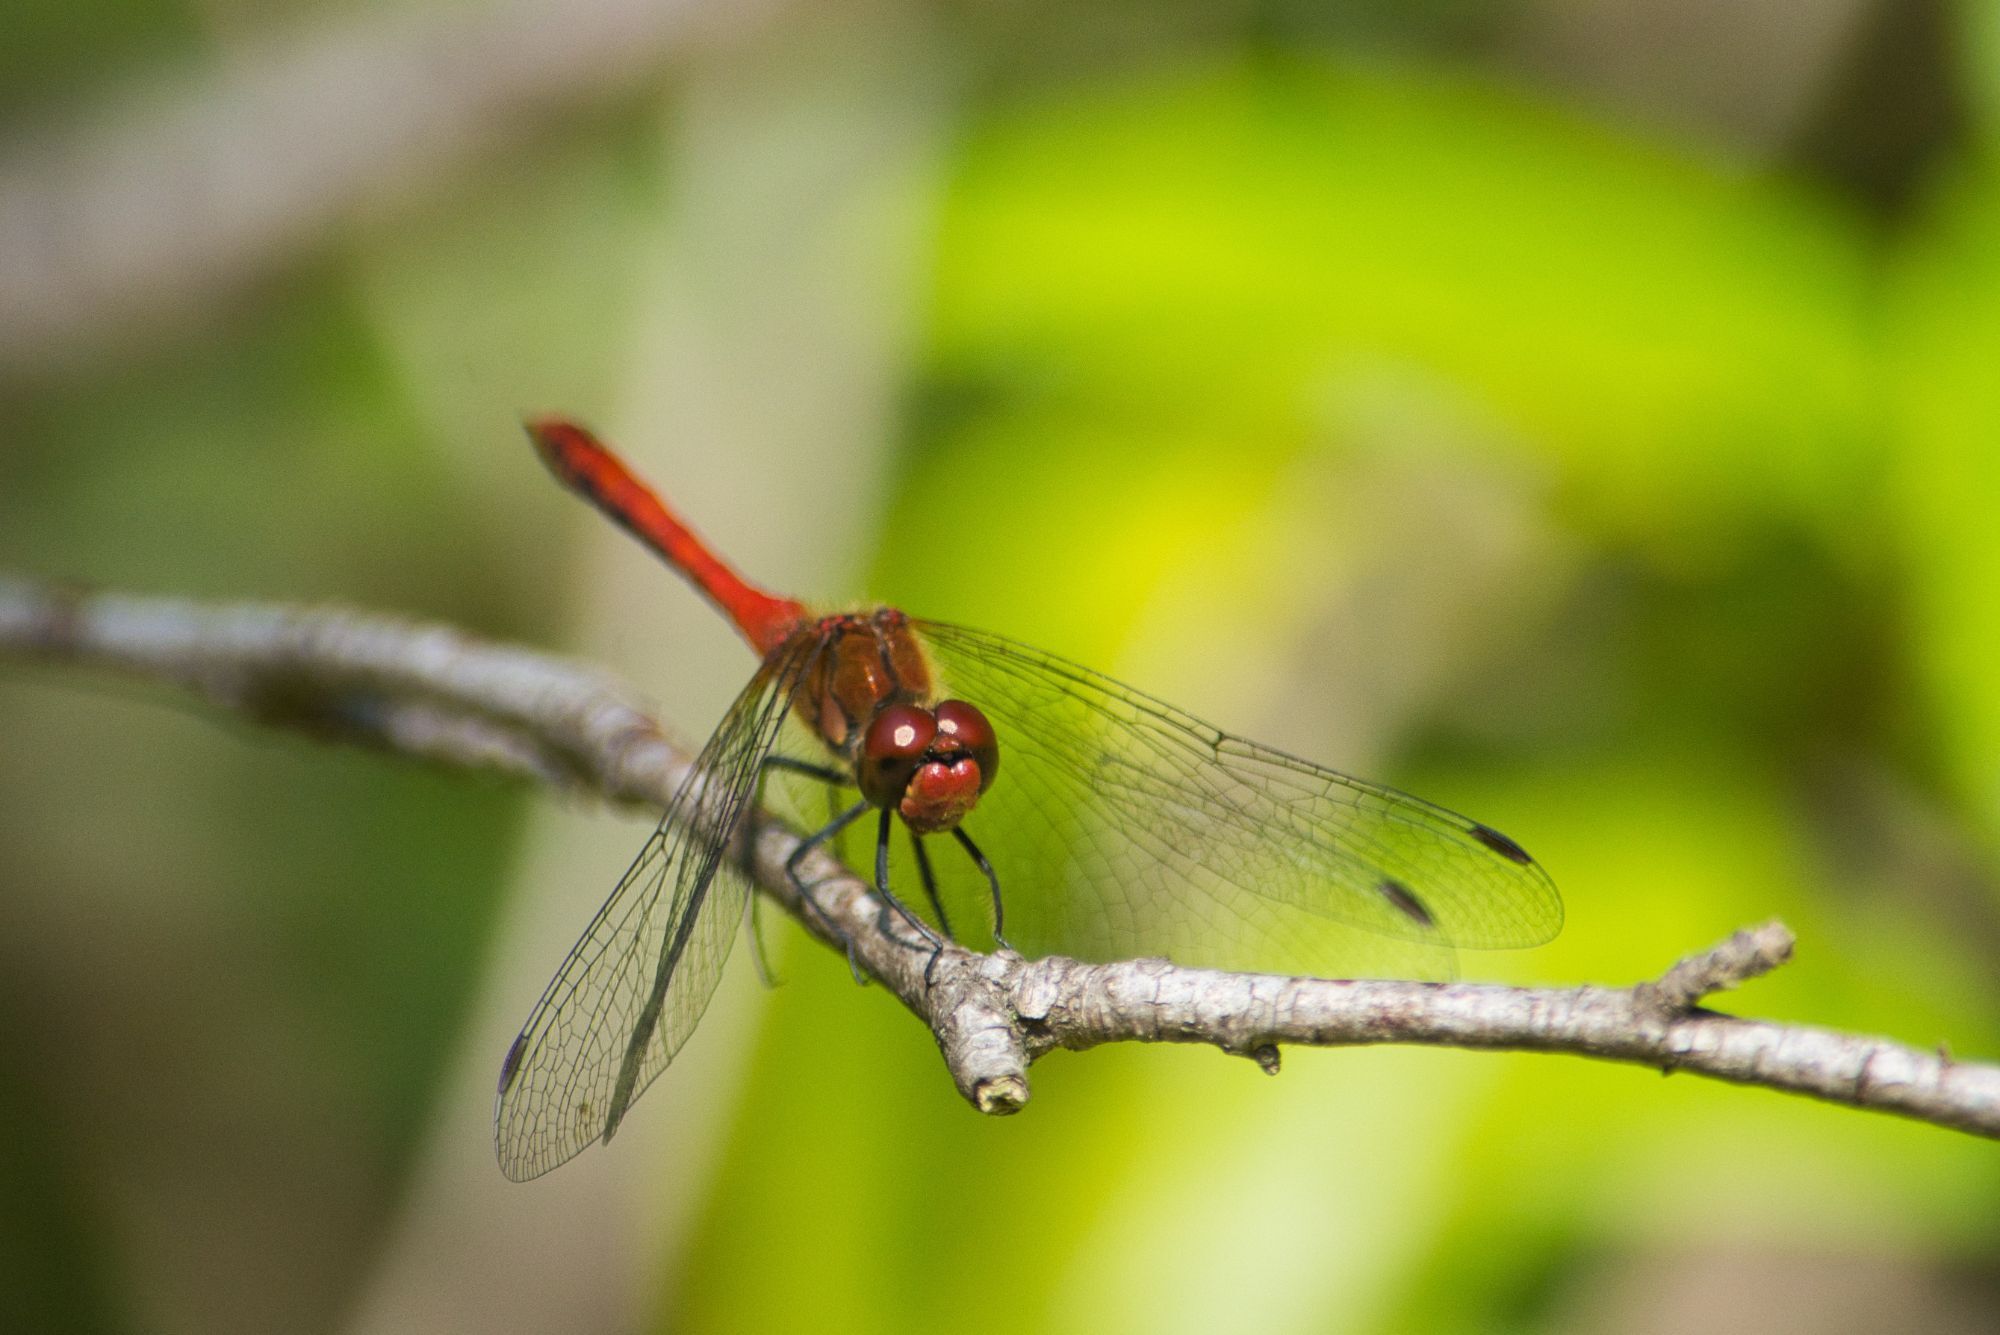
(992, 879)
(832, 776)
(931, 893)
(758, 956)
(824, 773)
(837, 822)
(930, 883)
(889, 900)
(792, 863)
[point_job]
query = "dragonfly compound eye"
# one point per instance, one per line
(965, 724)
(891, 752)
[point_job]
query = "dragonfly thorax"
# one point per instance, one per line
(865, 661)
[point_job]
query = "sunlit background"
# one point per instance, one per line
(1581, 412)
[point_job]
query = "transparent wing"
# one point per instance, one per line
(633, 988)
(1120, 826)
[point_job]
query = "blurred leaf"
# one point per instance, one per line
(1978, 62)
(57, 53)
(1946, 341)
(1214, 251)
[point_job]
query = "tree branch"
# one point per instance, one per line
(435, 693)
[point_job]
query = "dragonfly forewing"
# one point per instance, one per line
(1124, 826)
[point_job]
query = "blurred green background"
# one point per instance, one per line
(1581, 412)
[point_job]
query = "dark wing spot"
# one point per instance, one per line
(1501, 844)
(1406, 901)
(512, 1066)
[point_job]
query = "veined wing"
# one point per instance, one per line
(1120, 825)
(635, 985)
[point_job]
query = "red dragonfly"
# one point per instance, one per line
(1122, 827)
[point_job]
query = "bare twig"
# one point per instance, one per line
(433, 692)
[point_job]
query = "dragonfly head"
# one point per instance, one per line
(931, 765)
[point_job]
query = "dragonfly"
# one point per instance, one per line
(1120, 826)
